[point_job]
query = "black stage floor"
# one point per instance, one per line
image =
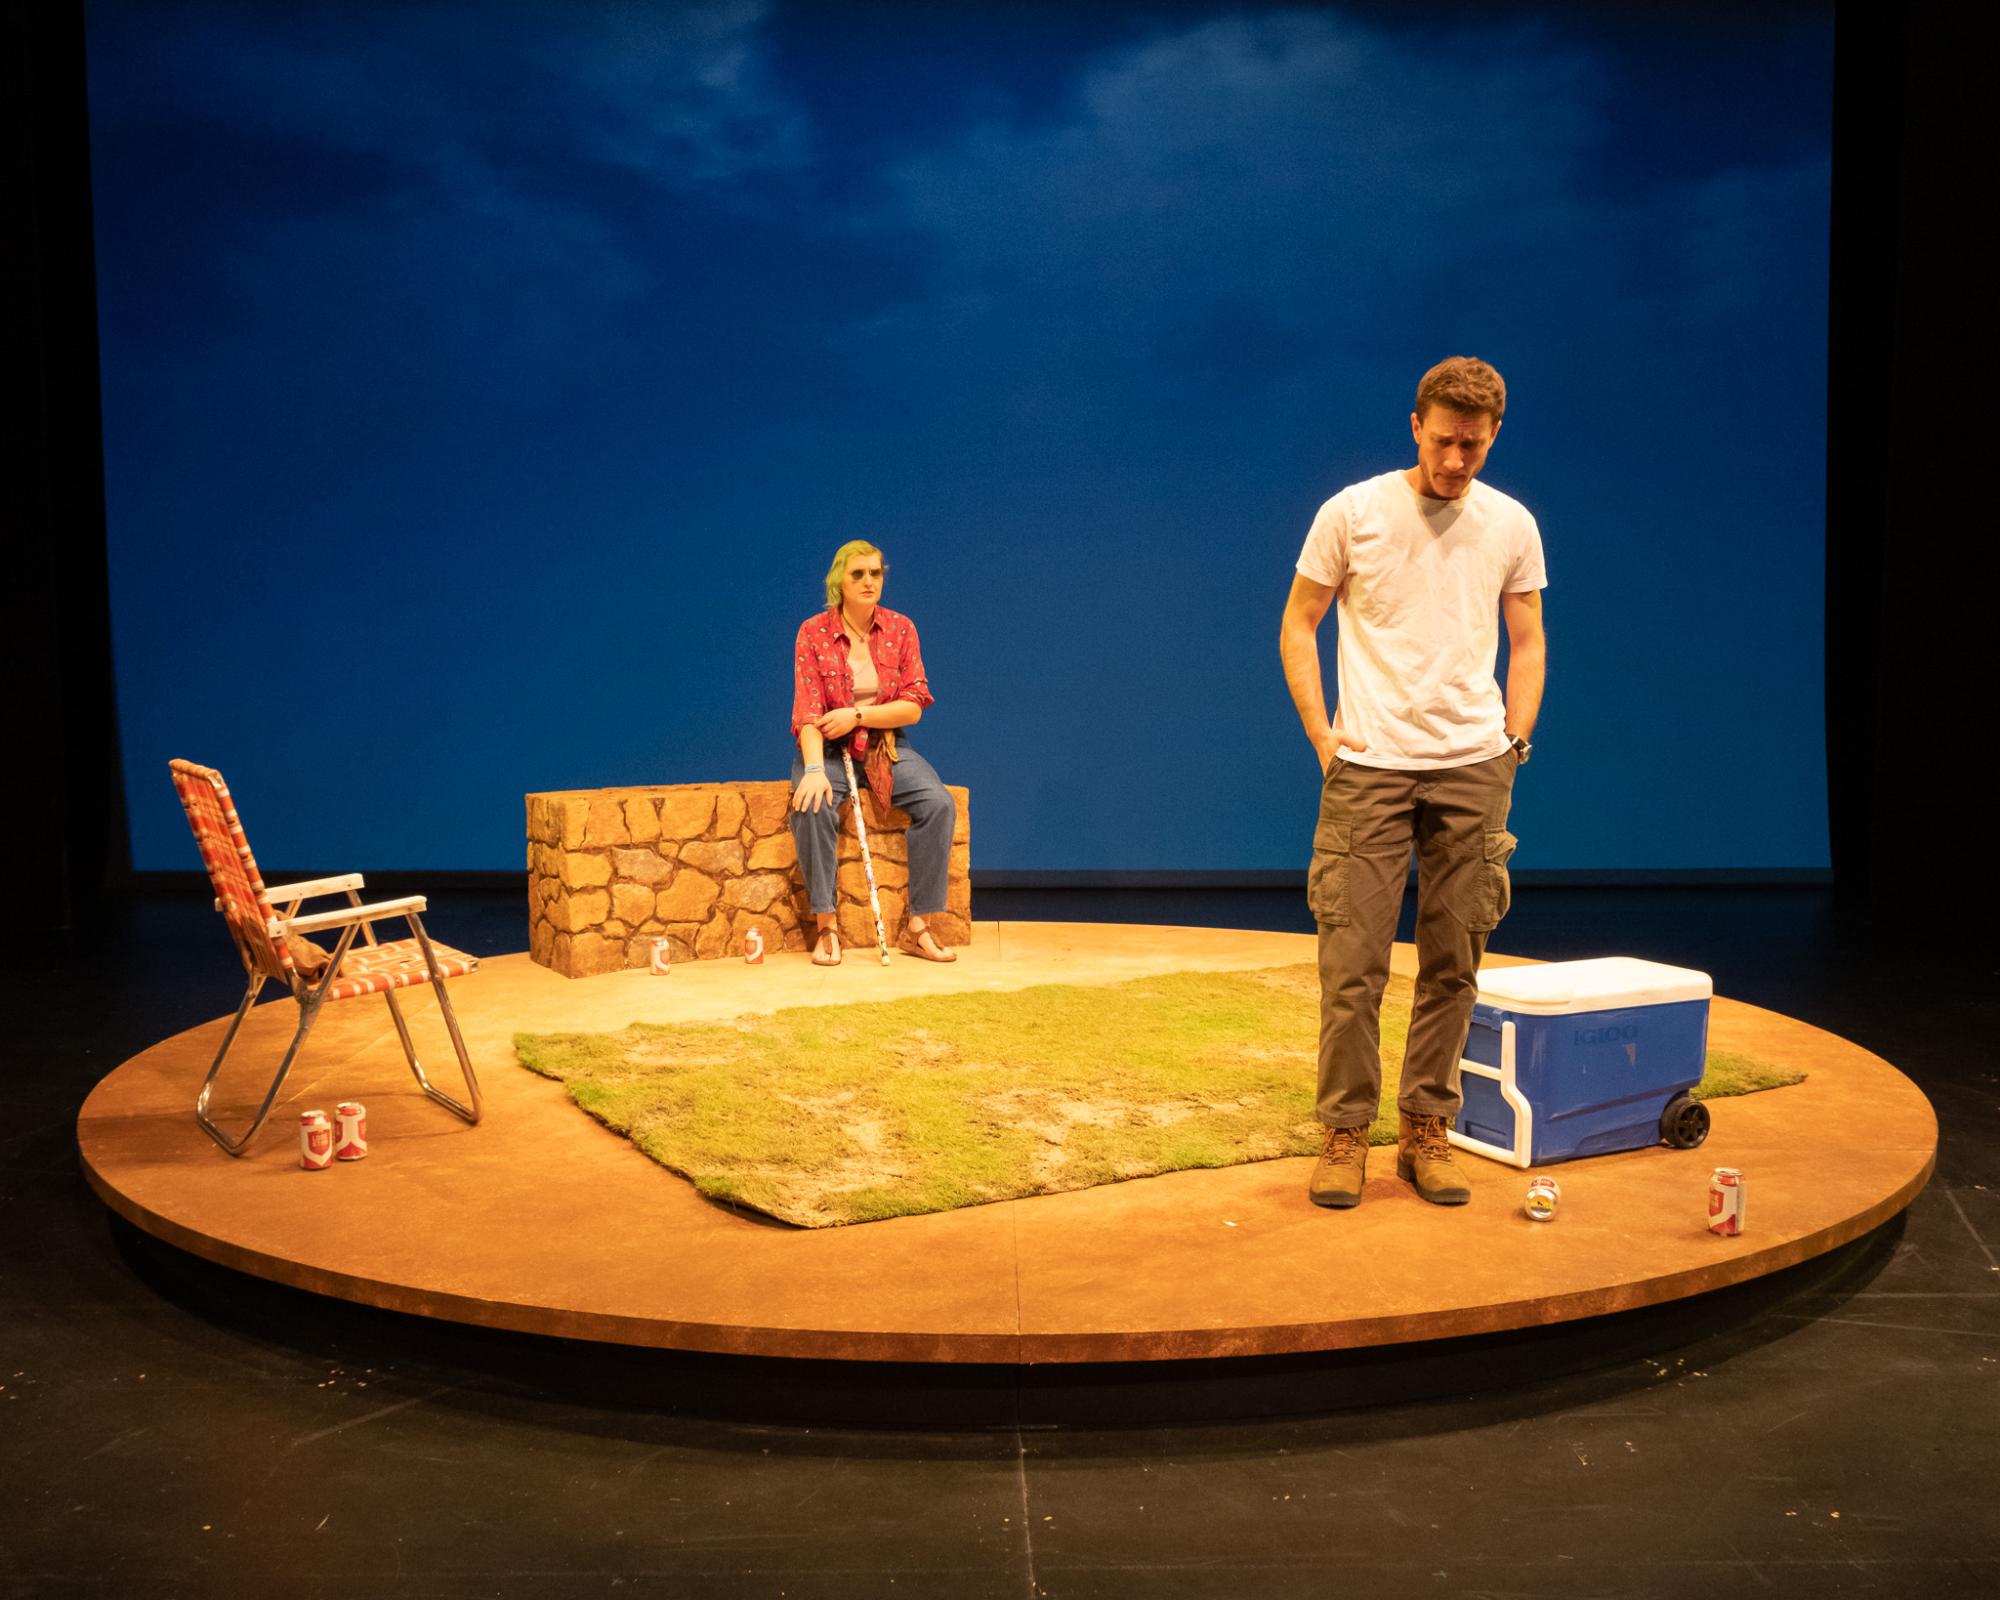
(169, 1429)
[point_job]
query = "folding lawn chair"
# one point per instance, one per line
(271, 940)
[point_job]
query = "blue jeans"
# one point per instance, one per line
(933, 817)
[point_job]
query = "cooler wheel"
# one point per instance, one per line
(1684, 1124)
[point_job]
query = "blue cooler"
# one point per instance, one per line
(1576, 1058)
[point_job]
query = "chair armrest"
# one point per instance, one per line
(293, 893)
(343, 915)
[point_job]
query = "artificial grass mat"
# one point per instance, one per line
(820, 1115)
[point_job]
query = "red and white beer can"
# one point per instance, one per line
(753, 947)
(1544, 1195)
(350, 1142)
(315, 1141)
(1725, 1201)
(659, 961)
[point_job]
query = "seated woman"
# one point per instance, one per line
(857, 675)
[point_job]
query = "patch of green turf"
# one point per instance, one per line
(831, 1114)
(1727, 1072)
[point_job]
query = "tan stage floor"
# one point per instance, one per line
(541, 1220)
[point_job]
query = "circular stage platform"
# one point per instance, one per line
(542, 1221)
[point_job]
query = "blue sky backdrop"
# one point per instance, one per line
(487, 385)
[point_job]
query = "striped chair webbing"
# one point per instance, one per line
(395, 964)
(232, 869)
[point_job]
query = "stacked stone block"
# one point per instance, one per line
(701, 864)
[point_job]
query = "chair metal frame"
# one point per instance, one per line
(261, 944)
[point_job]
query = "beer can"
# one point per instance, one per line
(350, 1141)
(660, 958)
(1544, 1195)
(753, 946)
(315, 1141)
(1725, 1201)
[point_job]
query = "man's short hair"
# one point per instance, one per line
(1463, 383)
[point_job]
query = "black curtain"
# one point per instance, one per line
(66, 826)
(1909, 628)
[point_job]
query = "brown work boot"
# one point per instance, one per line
(1424, 1159)
(1343, 1167)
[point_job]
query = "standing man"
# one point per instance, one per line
(1421, 752)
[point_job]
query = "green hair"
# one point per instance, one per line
(838, 570)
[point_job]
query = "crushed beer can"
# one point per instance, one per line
(660, 958)
(350, 1140)
(753, 947)
(315, 1141)
(1725, 1201)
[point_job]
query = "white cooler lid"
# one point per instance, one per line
(1601, 984)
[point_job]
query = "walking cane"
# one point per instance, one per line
(867, 860)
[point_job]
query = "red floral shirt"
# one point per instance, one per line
(823, 677)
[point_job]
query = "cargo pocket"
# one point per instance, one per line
(1493, 889)
(1327, 884)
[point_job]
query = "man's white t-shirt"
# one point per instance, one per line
(1418, 584)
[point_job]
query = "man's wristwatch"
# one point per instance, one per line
(1522, 749)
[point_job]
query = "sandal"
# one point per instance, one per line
(826, 948)
(913, 944)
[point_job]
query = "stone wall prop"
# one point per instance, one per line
(701, 864)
